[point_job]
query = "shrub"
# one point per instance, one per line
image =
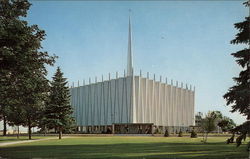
(193, 134)
(156, 131)
(166, 134)
(180, 134)
(176, 131)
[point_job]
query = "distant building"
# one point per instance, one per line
(132, 103)
(198, 119)
(14, 129)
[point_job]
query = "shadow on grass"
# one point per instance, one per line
(127, 150)
(11, 139)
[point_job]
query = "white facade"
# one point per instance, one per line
(132, 99)
(103, 103)
(162, 104)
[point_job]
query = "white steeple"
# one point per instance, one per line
(130, 57)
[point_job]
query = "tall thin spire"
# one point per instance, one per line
(130, 57)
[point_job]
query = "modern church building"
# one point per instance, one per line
(132, 104)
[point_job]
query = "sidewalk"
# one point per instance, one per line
(26, 141)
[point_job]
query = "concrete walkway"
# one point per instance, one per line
(25, 141)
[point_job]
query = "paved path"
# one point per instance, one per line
(25, 141)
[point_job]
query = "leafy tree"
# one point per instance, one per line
(7, 93)
(16, 116)
(193, 134)
(23, 83)
(217, 114)
(226, 124)
(8, 60)
(58, 112)
(238, 96)
(208, 124)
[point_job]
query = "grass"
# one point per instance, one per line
(126, 147)
(14, 138)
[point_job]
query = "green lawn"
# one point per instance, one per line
(14, 138)
(126, 147)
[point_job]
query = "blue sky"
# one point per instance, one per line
(188, 41)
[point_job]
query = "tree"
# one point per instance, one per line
(217, 114)
(8, 19)
(58, 112)
(198, 118)
(15, 116)
(208, 124)
(193, 134)
(238, 96)
(226, 124)
(166, 134)
(23, 84)
(180, 134)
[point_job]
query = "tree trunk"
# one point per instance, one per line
(4, 126)
(60, 133)
(29, 129)
(18, 132)
(206, 137)
(203, 137)
(45, 130)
